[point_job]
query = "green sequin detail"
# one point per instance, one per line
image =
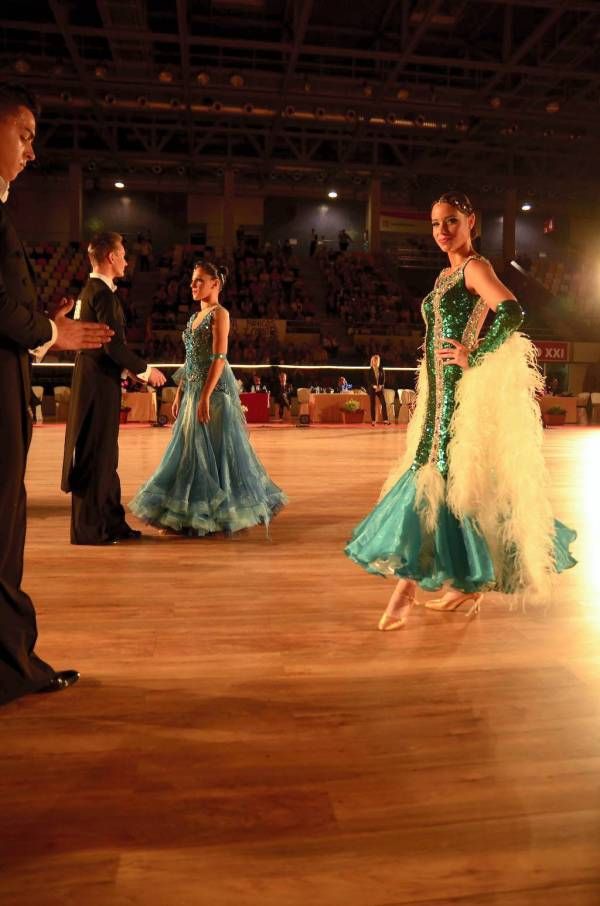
(449, 310)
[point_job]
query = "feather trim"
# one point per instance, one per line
(430, 494)
(413, 432)
(497, 474)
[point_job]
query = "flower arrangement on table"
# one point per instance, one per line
(352, 412)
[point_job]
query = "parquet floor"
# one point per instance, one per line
(242, 736)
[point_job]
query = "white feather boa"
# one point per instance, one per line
(497, 475)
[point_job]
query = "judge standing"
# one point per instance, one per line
(22, 328)
(91, 442)
(375, 379)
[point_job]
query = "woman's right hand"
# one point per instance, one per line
(175, 407)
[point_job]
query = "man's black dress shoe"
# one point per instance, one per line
(60, 681)
(127, 534)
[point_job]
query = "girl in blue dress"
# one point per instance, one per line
(210, 479)
(467, 507)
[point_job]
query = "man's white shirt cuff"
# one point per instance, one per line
(40, 351)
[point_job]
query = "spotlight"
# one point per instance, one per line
(100, 71)
(526, 206)
(419, 120)
(495, 102)
(236, 80)
(350, 114)
(307, 86)
(22, 66)
(217, 106)
(332, 194)
(109, 99)
(165, 76)
(319, 112)
(119, 184)
(142, 100)
(157, 169)
(248, 108)
(403, 94)
(180, 170)
(203, 79)
(289, 110)
(552, 107)
(390, 119)
(367, 90)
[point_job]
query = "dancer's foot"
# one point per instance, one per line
(454, 600)
(396, 613)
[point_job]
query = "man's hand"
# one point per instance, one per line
(78, 334)
(156, 378)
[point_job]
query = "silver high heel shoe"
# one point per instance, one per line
(455, 604)
(389, 622)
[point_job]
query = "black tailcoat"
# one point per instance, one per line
(21, 328)
(91, 442)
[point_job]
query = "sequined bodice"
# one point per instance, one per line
(198, 344)
(449, 311)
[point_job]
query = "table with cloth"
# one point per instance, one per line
(142, 405)
(569, 403)
(257, 405)
(326, 407)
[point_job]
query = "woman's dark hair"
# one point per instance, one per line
(216, 271)
(457, 200)
(13, 96)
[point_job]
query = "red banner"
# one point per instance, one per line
(552, 350)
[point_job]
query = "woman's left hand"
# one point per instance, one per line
(204, 409)
(457, 355)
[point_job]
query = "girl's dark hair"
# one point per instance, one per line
(457, 200)
(216, 271)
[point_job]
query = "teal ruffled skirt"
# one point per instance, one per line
(210, 479)
(391, 541)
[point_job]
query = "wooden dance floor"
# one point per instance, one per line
(243, 736)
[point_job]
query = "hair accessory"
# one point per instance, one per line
(457, 200)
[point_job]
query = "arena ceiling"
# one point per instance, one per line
(483, 92)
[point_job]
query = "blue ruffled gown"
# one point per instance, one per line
(392, 540)
(210, 479)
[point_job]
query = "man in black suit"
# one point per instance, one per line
(92, 437)
(22, 329)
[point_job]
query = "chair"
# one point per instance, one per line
(303, 411)
(390, 395)
(62, 396)
(583, 403)
(168, 395)
(408, 399)
(38, 392)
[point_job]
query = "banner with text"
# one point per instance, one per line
(552, 350)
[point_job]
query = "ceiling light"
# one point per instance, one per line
(332, 194)
(203, 78)
(526, 206)
(236, 80)
(119, 184)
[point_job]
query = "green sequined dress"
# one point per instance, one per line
(392, 539)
